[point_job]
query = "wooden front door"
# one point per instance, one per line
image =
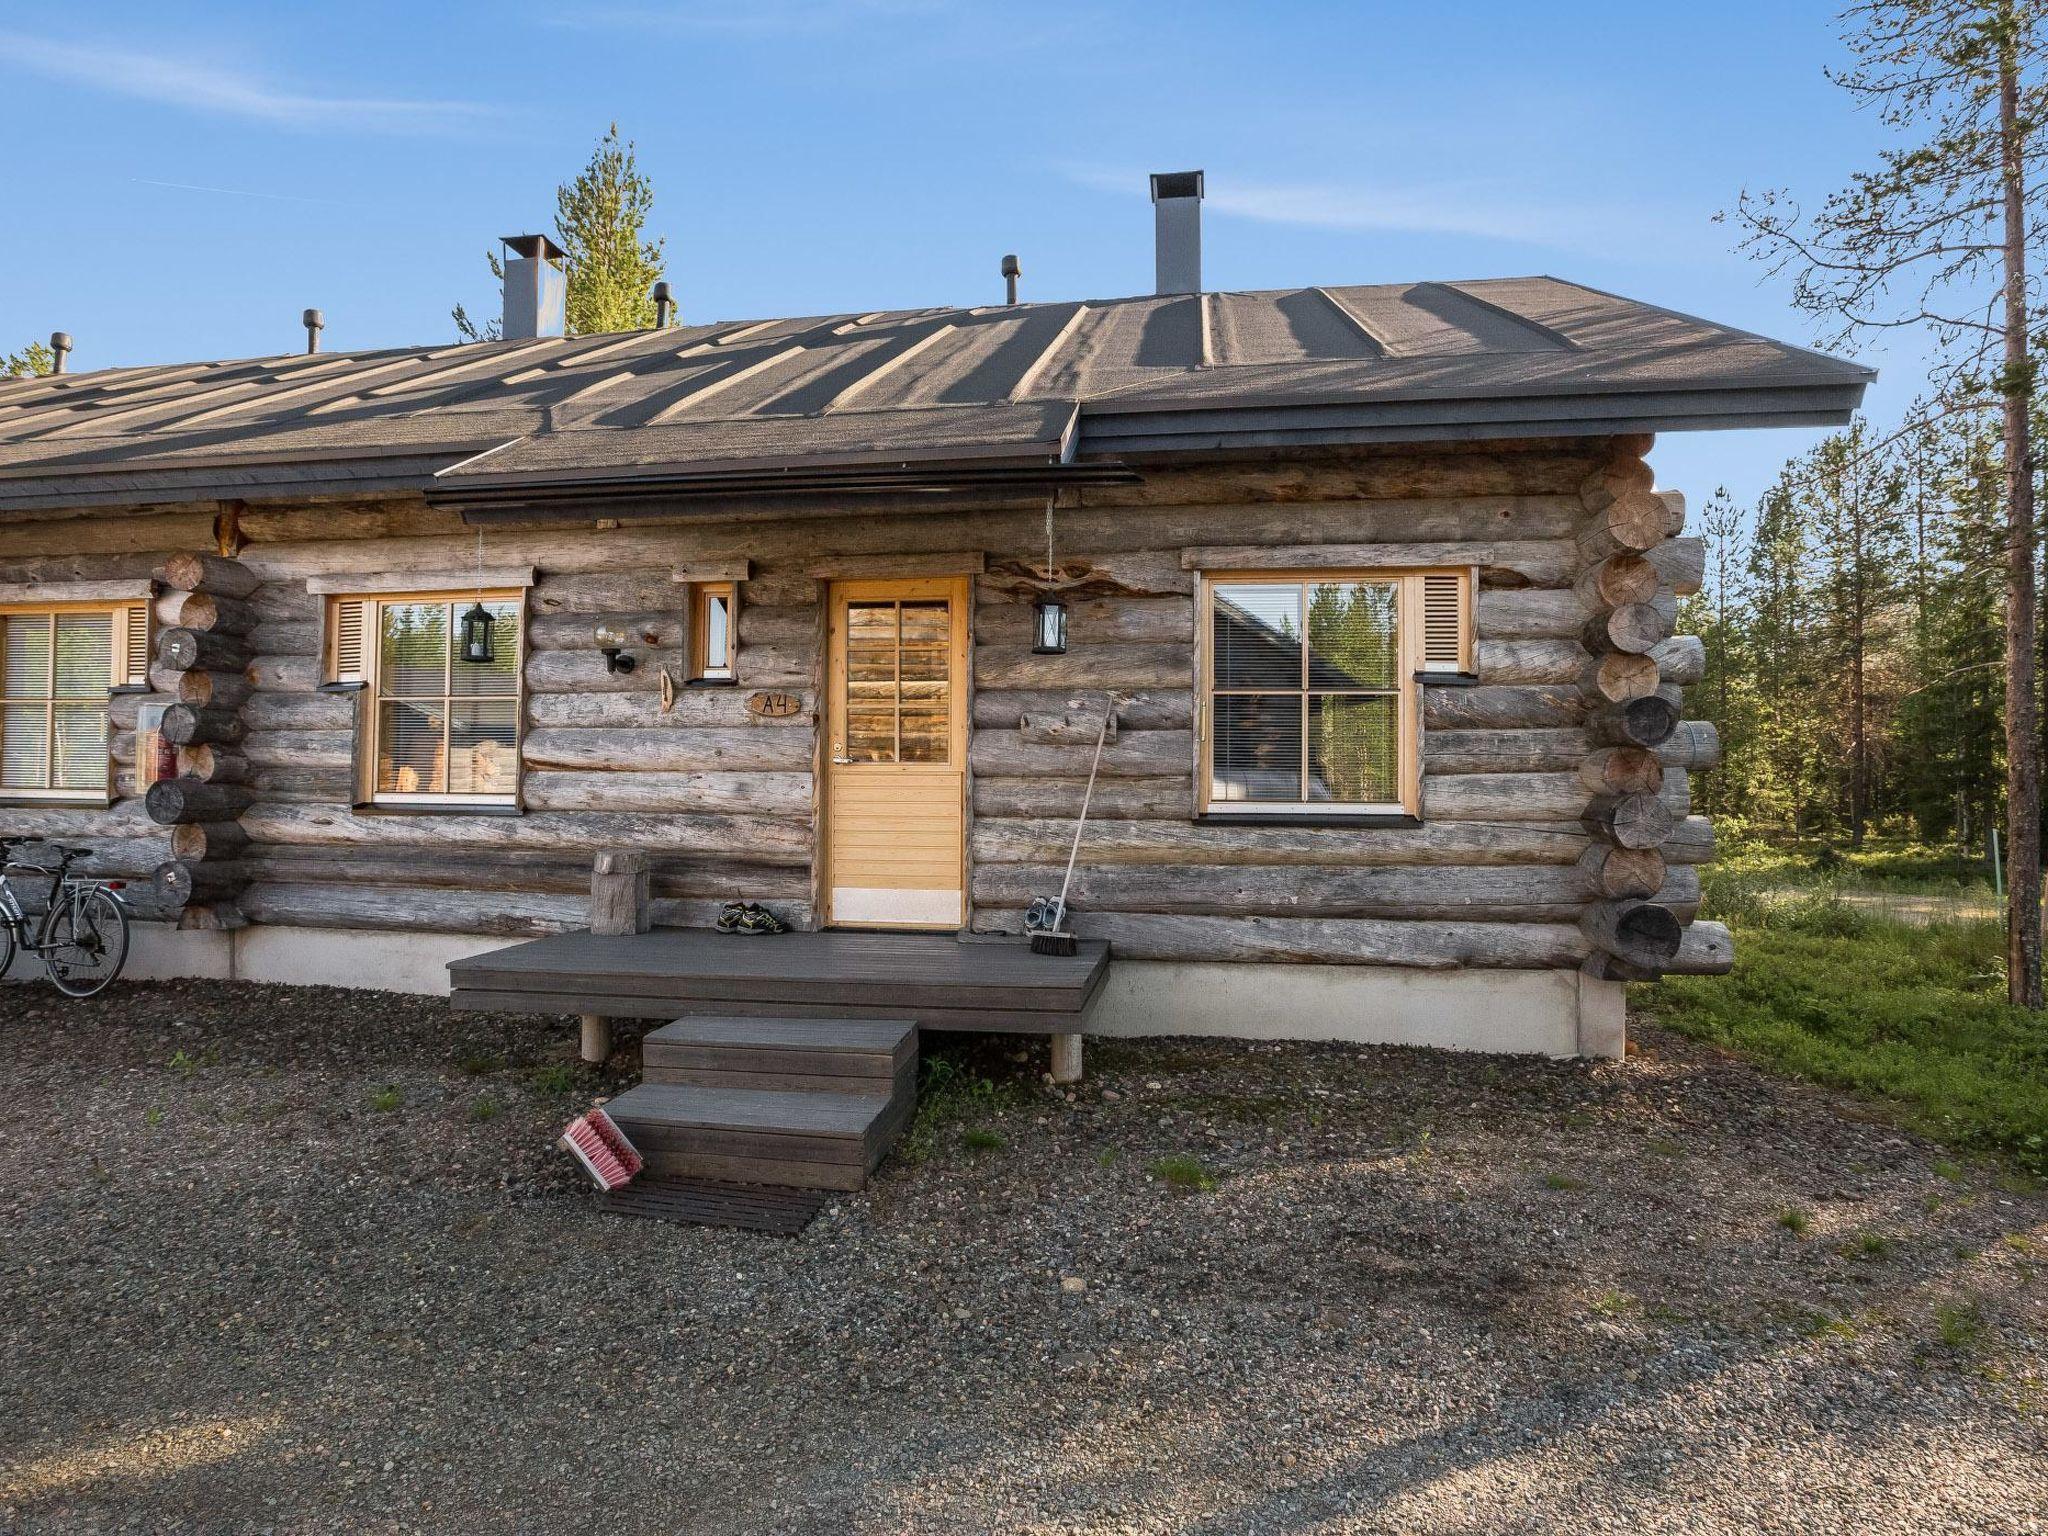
(896, 755)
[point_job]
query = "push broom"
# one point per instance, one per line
(1054, 939)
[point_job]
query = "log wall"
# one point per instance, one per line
(1517, 767)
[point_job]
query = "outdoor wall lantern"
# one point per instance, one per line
(476, 636)
(1049, 627)
(612, 642)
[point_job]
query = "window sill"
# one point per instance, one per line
(341, 687)
(1367, 819)
(86, 802)
(452, 808)
(712, 682)
(1448, 679)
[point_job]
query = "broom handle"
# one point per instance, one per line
(1088, 794)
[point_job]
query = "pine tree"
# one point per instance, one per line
(599, 220)
(32, 361)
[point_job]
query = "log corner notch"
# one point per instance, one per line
(202, 656)
(1637, 566)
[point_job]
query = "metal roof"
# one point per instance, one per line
(1016, 391)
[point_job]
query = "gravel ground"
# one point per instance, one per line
(306, 1260)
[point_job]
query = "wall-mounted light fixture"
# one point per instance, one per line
(612, 643)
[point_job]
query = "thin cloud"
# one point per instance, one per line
(273, 197)
(203, 86)
(1473, 209)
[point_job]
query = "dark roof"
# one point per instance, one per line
(1037, 389)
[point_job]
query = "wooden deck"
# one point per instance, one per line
(932, 980)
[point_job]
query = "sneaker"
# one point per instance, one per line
(758, 919)
(730, 916)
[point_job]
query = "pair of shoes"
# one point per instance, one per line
(748, 917)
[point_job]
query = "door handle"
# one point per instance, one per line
(841, 762)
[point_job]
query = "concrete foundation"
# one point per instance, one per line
(1550, 1013)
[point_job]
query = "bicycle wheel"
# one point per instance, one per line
(6, 947)
(88, 944)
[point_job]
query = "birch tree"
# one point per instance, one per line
(1943, 236)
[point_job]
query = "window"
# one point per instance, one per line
(433, 728)
(57, 666)
(1310, 698)
(714, 631)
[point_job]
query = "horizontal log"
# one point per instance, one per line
(695, 709)
(460, 577)
(626, 590)
(1488, 706)
(1428, 945)
(1091, 621)
(513, 914)
(1085, 667)
(113, 858)
(78, 823)
(1681, 564)
(1137, 841)
(1167, 797)
(190, 650)
(1499, 797)
(1622, 771)
(209, 764)
(1682, 659)
(198, 841)
(1634, 522)
(1398, 473)
(1618, 677)
(764, 839)
(194, 572)
(185, 725)
(763, 794)
(282, 639)
(1502, 562)
(1619, 579)
(1634, 629)
(1691, 842)
(212, 917)
(584, 671)
(1643, 722)
(1629, 821)
(1608, 872)
(207, 611)
(286, 674)
(1528, 613)
(1501, 893)
(1531, 661)
(1621, 475)
(1145, 710)
(299, 711)
(1706, 949)
(661, 751)
(1641, 933)
(1540, 750)
(148, 536)
(177, 883)
(61, 591)
(1694, 744)
(300, 749)
(1129, 754)
(645, 631)
(171, 801)
(220, 690)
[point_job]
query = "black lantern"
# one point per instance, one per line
(476, 636)
(1049, 627)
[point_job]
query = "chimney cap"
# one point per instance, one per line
(1011, 267)
(1167, 184)
(530, 246)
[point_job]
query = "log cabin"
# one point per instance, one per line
(1354, 603)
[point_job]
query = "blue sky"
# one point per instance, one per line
(182, 181)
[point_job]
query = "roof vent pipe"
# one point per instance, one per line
(60, 348)
(664, 305)
(315, 323)
(536, 288)
(1177, 230)
(1011, 272)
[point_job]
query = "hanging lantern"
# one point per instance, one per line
(476, 636)
(1049, 627)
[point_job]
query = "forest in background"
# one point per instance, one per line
(1854, 627)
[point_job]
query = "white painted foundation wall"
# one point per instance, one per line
(1550, 1013)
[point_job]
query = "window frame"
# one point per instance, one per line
(697, 612)
(1410, 674)
(120, 622)
(368, 691)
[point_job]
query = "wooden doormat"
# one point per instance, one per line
(708, 1203)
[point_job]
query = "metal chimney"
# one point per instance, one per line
(60, 348)
(1011, 272)
(1177, 227)
(664, 305)
(536, 288)
(315, 323)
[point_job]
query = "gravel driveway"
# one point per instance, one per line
(305, 1260)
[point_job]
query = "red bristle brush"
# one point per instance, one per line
(601, 1147)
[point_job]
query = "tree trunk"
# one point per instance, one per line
(2022, 732)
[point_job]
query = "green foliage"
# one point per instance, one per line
(953, 1088)
(556, 1077)
(32, 361)
(1183, 1174)
(600, 219)
(1915, 1015)
(1795, 1221)
(386, 1099)
(979, 1138)
(1561, 1181)
(1960, 1324)
(485, 1108)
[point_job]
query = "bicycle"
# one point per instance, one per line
(82, 938)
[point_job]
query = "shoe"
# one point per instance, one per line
(730, 917)
(755, 918)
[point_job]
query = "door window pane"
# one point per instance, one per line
(1257, 749)
(899, 684)
(871, 682)
(925, 692)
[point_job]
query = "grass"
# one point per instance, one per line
(957, 1084)
(1561, 1181)
(485, 1108)
(1795, 1221)
(1960, 1324)
(1183, 1174)
(556, 1077)
(1912, 1016)
(979, 1138)
(1869, 1245)
(385, 1100)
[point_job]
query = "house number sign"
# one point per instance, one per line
(773, 706)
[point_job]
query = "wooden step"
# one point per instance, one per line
(795, 1055)
(803, 1139)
